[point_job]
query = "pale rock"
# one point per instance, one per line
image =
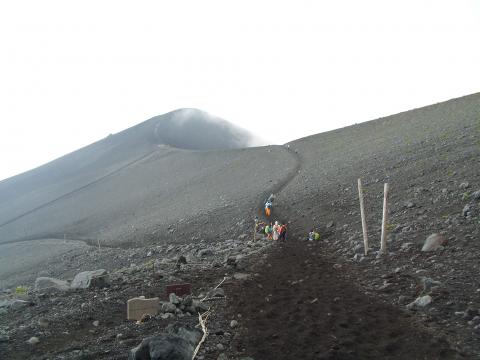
(434, 242)
(420, 302)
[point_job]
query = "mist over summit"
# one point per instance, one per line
(198, 130)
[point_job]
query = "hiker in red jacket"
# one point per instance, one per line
(283, 232)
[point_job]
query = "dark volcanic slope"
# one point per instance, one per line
(129, 185)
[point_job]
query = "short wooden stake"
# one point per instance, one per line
(383, 240)
(362, 214)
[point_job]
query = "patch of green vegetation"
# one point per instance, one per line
(466, 195)
(21, 290)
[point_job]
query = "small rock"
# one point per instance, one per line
(241, 276)
(205, 252)
(470, 313)
(233, 324)
(174, 299)
(429, 284)
(420, 302)
(87, 279)
(434, 242)
(476, 195)
(42, 322)
(464, 185)
(96, 323)
(33, 340)
(167, 316)
(466, 210)
(220, 347)
(168, 307)
(330, 224)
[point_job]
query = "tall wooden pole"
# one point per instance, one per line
(362, 214)
(383, 240)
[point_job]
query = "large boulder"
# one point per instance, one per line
(177, 344)
(50, 285)
(87, 279)
(434, 242)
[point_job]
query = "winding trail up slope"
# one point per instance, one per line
(312, 300)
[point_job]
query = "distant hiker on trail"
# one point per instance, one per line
(283, 232)
(313, 235)
(276, 231)
(269, 204)
(268, 231)
(268, 208)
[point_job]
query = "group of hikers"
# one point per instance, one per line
(277, 231)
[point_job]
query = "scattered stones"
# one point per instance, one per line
(420, 302)
(168, 307)
(87, 279)
(434, 242)
(50, 285)
(139, 306)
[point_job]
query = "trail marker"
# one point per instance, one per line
(383, 239)
(362, 214)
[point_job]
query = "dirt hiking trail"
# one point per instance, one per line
(303, 306)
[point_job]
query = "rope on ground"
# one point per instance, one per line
(215, 288)
(202, 320)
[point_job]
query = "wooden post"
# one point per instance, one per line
(383, 240)
(362, 214)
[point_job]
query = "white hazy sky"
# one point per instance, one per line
(73, 72)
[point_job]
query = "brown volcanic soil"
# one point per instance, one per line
(302, 307)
